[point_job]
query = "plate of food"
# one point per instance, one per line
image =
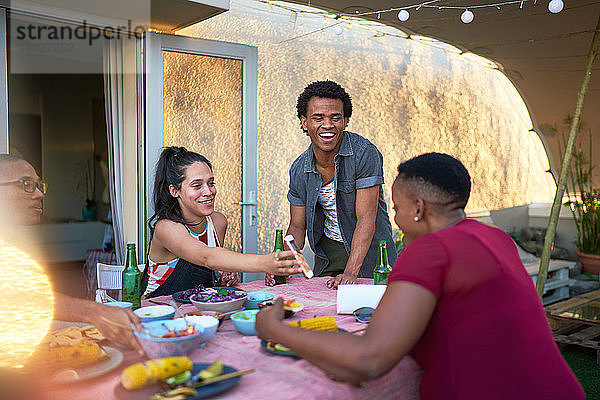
(204, 380)
(276, 348)
(290, 306)
(70, 352)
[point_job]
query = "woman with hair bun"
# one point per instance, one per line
(458, 300)
(187, 233)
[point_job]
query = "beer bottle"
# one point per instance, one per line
(382, 269)
(279, 280)
(132, 277)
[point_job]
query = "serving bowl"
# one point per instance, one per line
(245, 321)
(156, 347)
(210, 325)
(155, 313)
(222, 306)
(254, 298)
(120, 304)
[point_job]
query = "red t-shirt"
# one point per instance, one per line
(488, 337)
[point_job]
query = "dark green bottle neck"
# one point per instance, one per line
(382, 257)
(131, 260)
(278, 241)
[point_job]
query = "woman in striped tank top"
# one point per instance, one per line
(187, 233)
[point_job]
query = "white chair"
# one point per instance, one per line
(110, 277)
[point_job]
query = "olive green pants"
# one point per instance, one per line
(336, 253)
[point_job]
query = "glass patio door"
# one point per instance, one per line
(201, 94)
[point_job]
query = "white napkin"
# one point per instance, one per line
(351, 297)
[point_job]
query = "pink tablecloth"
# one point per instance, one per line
(276, 377)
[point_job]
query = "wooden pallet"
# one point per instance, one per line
(569, 329)
(580, 334)
(557, 282)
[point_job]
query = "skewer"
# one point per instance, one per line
(223, 377)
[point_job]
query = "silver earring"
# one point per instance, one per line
(416, 219)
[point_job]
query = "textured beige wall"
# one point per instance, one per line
(408, 98)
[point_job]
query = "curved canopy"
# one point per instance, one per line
(543, 54)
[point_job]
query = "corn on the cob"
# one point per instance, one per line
(139, 375)
(73, 356)
(316, 324)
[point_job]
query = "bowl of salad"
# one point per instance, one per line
(170, 338)
(221, 299)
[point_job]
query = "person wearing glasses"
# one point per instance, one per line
(21, 191)
(21, 195)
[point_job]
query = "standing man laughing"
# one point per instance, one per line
(335, 191)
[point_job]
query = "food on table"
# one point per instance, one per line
(190, 292)
(71, 335)
(176, 394)
(210, 295)
(152, 371)
(316, 324)
(63, 357)
(278, 347)
(179, 379)
(289, 304)
(213, 370)
(289, 240)
(189, 330)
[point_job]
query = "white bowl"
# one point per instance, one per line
(155, 313)
(210, 325)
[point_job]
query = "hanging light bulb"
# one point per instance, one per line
(403, 15)
(555, 6)
(467, 16)
(338, 30)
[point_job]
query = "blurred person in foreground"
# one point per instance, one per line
(21, 195)
(459, 301)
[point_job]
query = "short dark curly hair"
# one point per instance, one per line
(442, 177)
(325, 89)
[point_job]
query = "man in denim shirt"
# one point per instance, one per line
(335, 190)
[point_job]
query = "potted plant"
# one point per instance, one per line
(584, 202)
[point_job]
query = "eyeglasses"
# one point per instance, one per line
(29, 185)
(363, 314)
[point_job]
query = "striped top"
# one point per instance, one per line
(327, 202)
(159, 272)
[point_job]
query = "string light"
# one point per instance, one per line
(555, 6)
(467, 17)
(403, 15)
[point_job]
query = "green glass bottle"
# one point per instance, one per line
(279, 280)
(382, 269)
(131, 278)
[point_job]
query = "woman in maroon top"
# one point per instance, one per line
(459, 301)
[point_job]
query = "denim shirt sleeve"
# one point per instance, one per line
(297, 191)
(369, 167)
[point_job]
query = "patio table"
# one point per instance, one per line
(275, 377)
